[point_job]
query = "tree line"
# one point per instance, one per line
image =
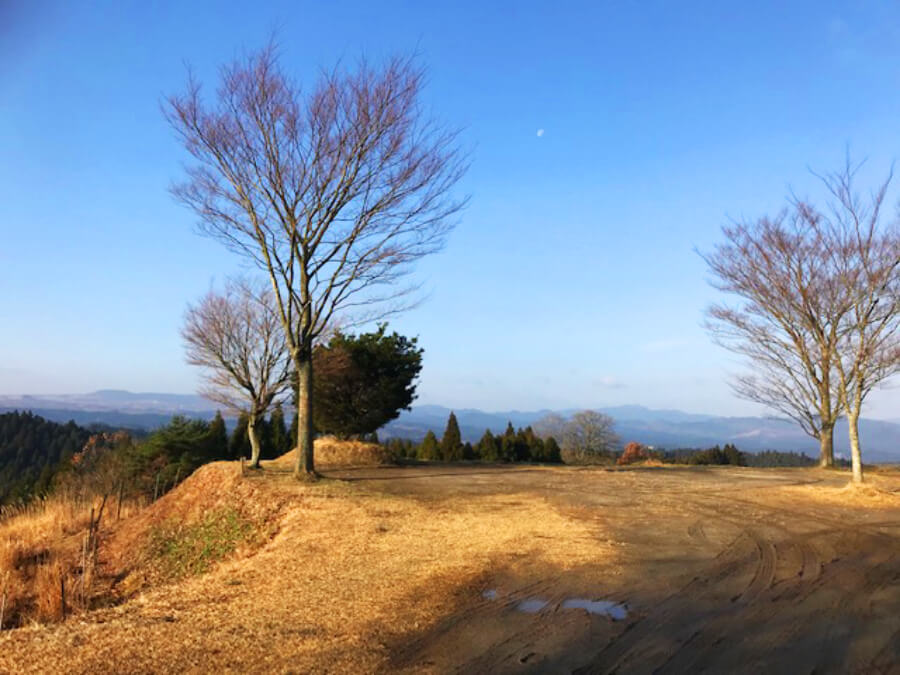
(513, 445)
(585, 438)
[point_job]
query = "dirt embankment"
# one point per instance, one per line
(487, 569)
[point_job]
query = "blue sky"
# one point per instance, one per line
(572, 278)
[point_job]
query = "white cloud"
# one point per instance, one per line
(540, 132)
(608, 382)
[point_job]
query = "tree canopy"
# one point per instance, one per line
(363, 381)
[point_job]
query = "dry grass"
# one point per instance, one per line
(881, 490)
(651, 462)
(185, 524)
(336, 576)
(331, 452)
(347, 574)
(851, 494)
(40, 546)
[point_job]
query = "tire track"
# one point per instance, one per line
(782, 585)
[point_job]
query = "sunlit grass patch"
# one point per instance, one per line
(189, 549)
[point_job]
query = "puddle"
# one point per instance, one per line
(613, 610)
(531, 605)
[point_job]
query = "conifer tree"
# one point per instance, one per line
(451, 442)
(239, 444)
(551, 450)
(733, 456)
(218, 438)
(267, 448)
(508, 444)
(281, 441)
(522, 447)
(508, 448)
(535, 445)
(469, 451)
(362, 382)
(395, 447)
(488, 449)
(429, 449)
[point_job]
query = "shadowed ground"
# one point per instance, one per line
(425, 569)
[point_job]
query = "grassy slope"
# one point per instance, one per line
(329, 576)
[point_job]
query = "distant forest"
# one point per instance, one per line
(730, 455)
(37, 455)
(31, 451)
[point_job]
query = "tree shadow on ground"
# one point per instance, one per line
(760, 605)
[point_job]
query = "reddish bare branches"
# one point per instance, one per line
(818, 308)
(236, 337)
(334, 193)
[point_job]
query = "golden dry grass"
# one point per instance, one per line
(331, 452)
(339, 574)
(40, 546)
(874, 492)
(652, 462)
(347, 574)
(833, 490)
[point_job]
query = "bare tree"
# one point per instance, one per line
(334, 193)
(236, 337)
(551, 424)
(865, 256)
(788, 319)
(589, 435)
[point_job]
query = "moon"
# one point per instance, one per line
(540, 132)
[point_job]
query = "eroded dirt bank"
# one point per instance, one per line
(473, 569)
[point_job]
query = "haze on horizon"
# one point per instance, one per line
(607, 144)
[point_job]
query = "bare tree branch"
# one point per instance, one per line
(864, 252)
(335, 193)
(236, 337)
(787, 320)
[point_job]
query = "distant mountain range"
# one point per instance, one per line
(114, 407)
(114, 399)
(665, 429)
(660, 428)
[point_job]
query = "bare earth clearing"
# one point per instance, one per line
(424, 570)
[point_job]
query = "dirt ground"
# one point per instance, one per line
(489, 569)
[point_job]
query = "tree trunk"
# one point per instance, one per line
(855, 455)
(254, 442)
(305, 464)
(826, 446)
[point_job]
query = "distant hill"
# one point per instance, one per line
(31, 450)
(661, 428)
(113, 400)
(112, 419)
(116, 408)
